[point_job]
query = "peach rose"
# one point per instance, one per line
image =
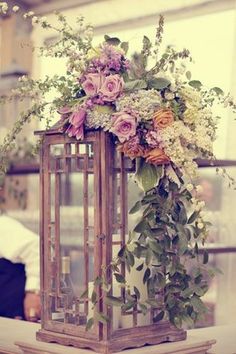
(163, 118)
(132, 148)
(156, 157)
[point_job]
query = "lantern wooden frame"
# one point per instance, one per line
(102, 338)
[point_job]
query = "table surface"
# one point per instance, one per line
(12, 331)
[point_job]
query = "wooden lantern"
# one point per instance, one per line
(105, 190)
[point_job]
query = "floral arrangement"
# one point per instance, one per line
(162, 118)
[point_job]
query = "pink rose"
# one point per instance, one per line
(112, 87)
(77, 118)
(92, 84)
(124, 126)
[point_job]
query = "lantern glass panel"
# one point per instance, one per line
(71, 231)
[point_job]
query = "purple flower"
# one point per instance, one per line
(112, 88)
(124, 126)
(77, 132)
(92, 83)
(76, 127)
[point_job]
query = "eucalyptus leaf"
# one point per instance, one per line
(218, 90)
(146, 275)
(140, 267)
(188, 75)
(112, 40)
(159, 317)
(158, 83)
(128, 305)
(193, 217)
(135, 85)
(125, 46)
(119, 278)
(89, 324)
(100, 317)
(137, 206)
(113, 301)
(143, 308)
(146, 176)
(205, 257)
(137, 292)
(84, 294)
(94, 297)
(195, 84)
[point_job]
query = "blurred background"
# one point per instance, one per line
(208, 29)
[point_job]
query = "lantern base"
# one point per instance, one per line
(121, 339)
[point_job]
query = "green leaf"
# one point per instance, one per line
(135, 85)
(143, 308)
(89, 324)
(101, 317)
(158, 83)
(217, 90)
(112, 40)
(178, 322)
(140, 267)
(147, 175)
(113, 301)
(146, 275)
(130, 258)
(159, 317)
(193, 217)
(205, 257)
(94, 297)
(125, 46)
(188, 75)
(153, 303)
(137, 293)
(195, 84)
(197, 304)
(128, 305)
(142, 227)
(98, 281)
(147, 44)
(84, 294)
(119, 278)
(148, 257)
(155, 246)
(135, 208)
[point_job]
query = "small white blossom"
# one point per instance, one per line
(200, 225)
(15, 8)
(34, 20)
(189, 187)
(169, 96)
(3, 7)
(199, 188)
(202, 204)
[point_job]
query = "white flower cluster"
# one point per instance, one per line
(97, 119)
(3, 8)
(175, 142)
(192, 100)
(144, 102)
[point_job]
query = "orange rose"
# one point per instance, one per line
(157, 157)
(163, 118)
(132, 148)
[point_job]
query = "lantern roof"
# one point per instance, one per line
(58, 128)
